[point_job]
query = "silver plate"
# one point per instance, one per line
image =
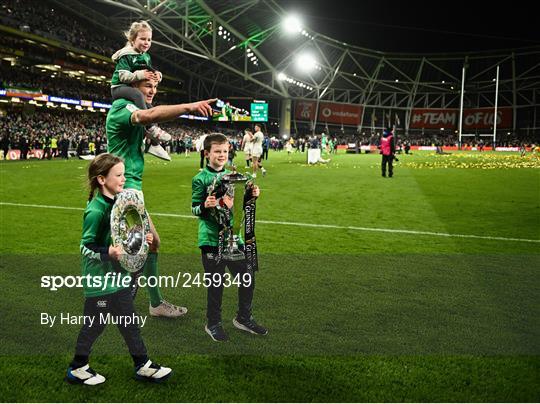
(129, 226)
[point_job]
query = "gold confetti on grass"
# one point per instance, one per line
(486, 161)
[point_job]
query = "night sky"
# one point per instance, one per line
(422, 26)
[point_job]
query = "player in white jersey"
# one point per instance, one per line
(247, 145)
(257, 150)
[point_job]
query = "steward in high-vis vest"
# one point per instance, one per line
(388, 149)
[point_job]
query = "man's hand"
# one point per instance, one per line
(149, 238)
(115, 252)
(202, 107)
(210, 202)
(149, 75)
(228, 201)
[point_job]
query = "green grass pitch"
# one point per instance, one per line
(422, 287)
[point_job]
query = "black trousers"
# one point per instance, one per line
(117, 304)
(131, 94)
(387, 160)
(265, 154)
(201, 164)
(215, 292)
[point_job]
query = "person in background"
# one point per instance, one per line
(266, 147)
(388, 150)
(4, 144)
(257, 150)
(247, 145)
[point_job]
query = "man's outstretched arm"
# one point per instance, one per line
(163, 113)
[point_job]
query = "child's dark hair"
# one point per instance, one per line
(214, 138)
(100, 166)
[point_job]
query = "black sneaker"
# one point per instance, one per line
(249, 325)
(216, 332)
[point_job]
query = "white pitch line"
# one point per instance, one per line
(312, 225)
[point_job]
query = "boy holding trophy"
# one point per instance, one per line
(219, 198)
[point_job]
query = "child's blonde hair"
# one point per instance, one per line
(133, 31)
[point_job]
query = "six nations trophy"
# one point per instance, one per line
(239, 188)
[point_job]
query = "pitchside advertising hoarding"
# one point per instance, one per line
(428, 118)
(37, 95)
(473, 118)
(329, 112)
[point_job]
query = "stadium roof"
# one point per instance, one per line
(241, 45)
(420, 26)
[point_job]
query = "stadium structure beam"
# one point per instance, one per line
(490, 67)
(199, 49)
(412, 95)
(440, 69)
(333, 74)
(197, 18)
(243, 9)
(282, 90)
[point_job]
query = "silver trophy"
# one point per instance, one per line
(129, 226)
(235, 186)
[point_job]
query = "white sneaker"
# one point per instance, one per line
(166, 309)
(84, 375)
(254, 175)
(263, 171)
(159, 152)
(153, 372)
(154, 132)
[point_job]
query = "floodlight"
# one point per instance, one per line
(306, 62)
(292, 24)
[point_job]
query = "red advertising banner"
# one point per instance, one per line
(329, 112)
(23, 92)
(482, 118)
(15, 154)
(305, 110)
(473, 118)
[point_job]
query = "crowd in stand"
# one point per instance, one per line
(56, 84)
(56, 129)
(49, 128)
(82, 130)
(81, 133)
(42, 19)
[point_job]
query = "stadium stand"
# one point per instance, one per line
(77, 66)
